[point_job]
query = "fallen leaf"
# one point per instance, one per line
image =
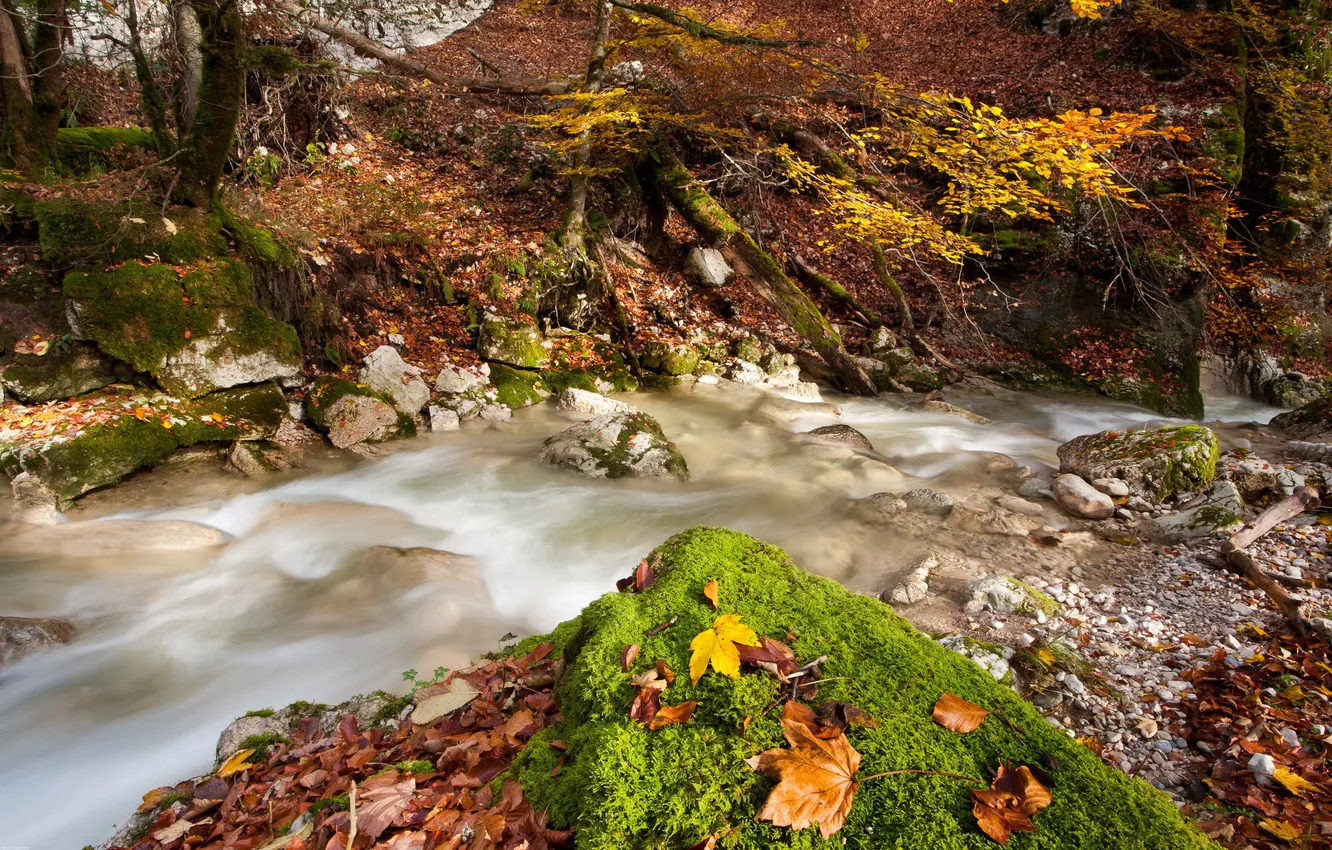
(712, 590)
(1008, 804)
(646, 705)
(628, 657)
(640, 580)
(815, 777)
(671, 714)
(844, 715)
(169, 225)
(459, 695)
(1147, 727)
(168, 834)
(706, 844)
(382, 801)
(665, 672)
(1294, 783)
(649, 679)
(1281, 829)
(153, 797)
(717, 647)
(957, 715)
(236, 763)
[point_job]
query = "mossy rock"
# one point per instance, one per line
(84, 149)
(616, 445)
(670, 358)
(75, 460)
(621, 785)
(351, 413)
(516, 342)
(73, 369)
(75, 232)
(1155, 463)
(195, 333)
(30, 303)
(517, 388)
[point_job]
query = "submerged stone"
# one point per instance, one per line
(620, 784)
(24, 636)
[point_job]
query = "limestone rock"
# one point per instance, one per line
(1112, 487)
(670, 358)
(443, 419)
(517, 342)
(927, 501)
(406, 568)
(840, 435)
(1251, 475)
(938, 406)
(989, 657)
(56, 375)
(351, 414)
(112, 538)
(34, 503)
(254, 459)
(387, 374)
(878, 508)
(708, 268)
(583, 403)
(1223, 511)
(616, 445)
(24, 636)
(1081, 499)
(1005, 595)
(226, 357)
(916, 586)
(372, 711)
(1020, 506)
(1035, 487)
(454, 379)
(1155, 463)
(998, 521)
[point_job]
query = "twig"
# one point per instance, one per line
(486, 63)
(656, 630)
(351, 804)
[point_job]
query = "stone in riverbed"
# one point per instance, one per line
(1005, 595)
(584, 403)
(878, 508)
(927, 501)
(670, 358)
(56, 375)
(616, 445)
(916, 586)
(1222, 511)
(1112, 487)
(1155, 463)
(387, 374)
(840, 435)
(351, 414)
(111, 538)
(1080, 498)
(454, 379)
(934, 405)
(24, 636)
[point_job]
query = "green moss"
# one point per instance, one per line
(326, 392)
(624, 786)
(301, 709)
(262, 245)
(102, 455)
(669, 358)
(74, 232)
(417, 766)
(1224, 142)
(260, 712)
(1215, 516)
(262, 743)
(1036, 600)
(559, 380)
(516, 388)
(515, 341)
(336, 803)
(83, 149)
(393, 707)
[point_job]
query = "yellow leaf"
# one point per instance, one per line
(716, 647)
(236, 763)
(1046, 656)
(1281, 829)
(1294, 783)
(712, 590)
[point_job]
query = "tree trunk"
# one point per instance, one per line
(575, 215)
(33, 81)
(48, 69)
(717, 227)
(221, 91)
(189, 43)
(17, 89)
(374, 50)
(890, 283)
(150, 94)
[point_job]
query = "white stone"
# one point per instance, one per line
(1112, 487)
(584, 404)
(1080, 498)
(443, 419)
(707, 267)
(387, 374)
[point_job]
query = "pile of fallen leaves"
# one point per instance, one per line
(1274, 705)
(424, 785)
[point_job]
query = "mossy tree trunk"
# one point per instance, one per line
(33, 80)
(207, 146)
(575, 215)
(189, 43)
(150, 93)
(717, 227)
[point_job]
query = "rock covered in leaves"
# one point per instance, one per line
(620, 783)
(616, 445)
(1155, 463)
(351, 414)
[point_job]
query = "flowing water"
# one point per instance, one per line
(172, 649)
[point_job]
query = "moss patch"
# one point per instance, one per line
(75, 232)
(84, 149)
(624, 786)
(516, 388)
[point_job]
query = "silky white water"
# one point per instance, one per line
(172, 649)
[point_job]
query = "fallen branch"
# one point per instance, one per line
(812, 275)
(1293, 505)
(372, 49)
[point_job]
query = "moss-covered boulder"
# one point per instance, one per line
(351, 414)
(60, 372)
(1155, 463)
(133, 432)
(616, 445)
(517, 388)
(670, 358)
(31, 304)
(621, 785)
(195, 330)
(517, 342)
(74, 232)
(83, 149)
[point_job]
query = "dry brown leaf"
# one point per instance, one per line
(646, 705)
(1008, 804)
(628, 657)
(815, 777)
(671, 714)
(712, 590)
(665, 672)
(957, 715)
(381, 801)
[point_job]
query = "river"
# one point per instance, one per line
(171, 649)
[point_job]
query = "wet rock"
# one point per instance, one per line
(939, 406)
(24, 636)
(387, 374)
(1222, 511)
(880, 507)
(1112, 487)
(515, 341)
(455, 379)
(1020, 506)
(111, 538)
(1251, 475)
(615, 446)
(708, 268)
(1079, 498)
(584, 403)
(34, 503)
(933, 502)
(1035, 488)
(255, 459)
(351, 414)
(840, 435)
(1007, 595)
(1155, 463)
(996, 521)
(916, 586)
(670, 358)
(410, 567)
(442, 419)
(57, 375)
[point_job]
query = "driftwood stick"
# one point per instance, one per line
(1290, 607)
(1293, 505)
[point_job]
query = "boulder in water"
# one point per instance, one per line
(24, 636)
(934, 405)
(585, 403)
(408, 567)
(1155, 463)
(351, 414)
(111, 538)
(878, 508)
(1081, 499)
(386, 373)
(616, 445)
(995, 521)
(927, 501)
(840, 435)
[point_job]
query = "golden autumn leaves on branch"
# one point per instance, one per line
(816, 773)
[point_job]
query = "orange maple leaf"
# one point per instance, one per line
(1008, 804)
(815, 777)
